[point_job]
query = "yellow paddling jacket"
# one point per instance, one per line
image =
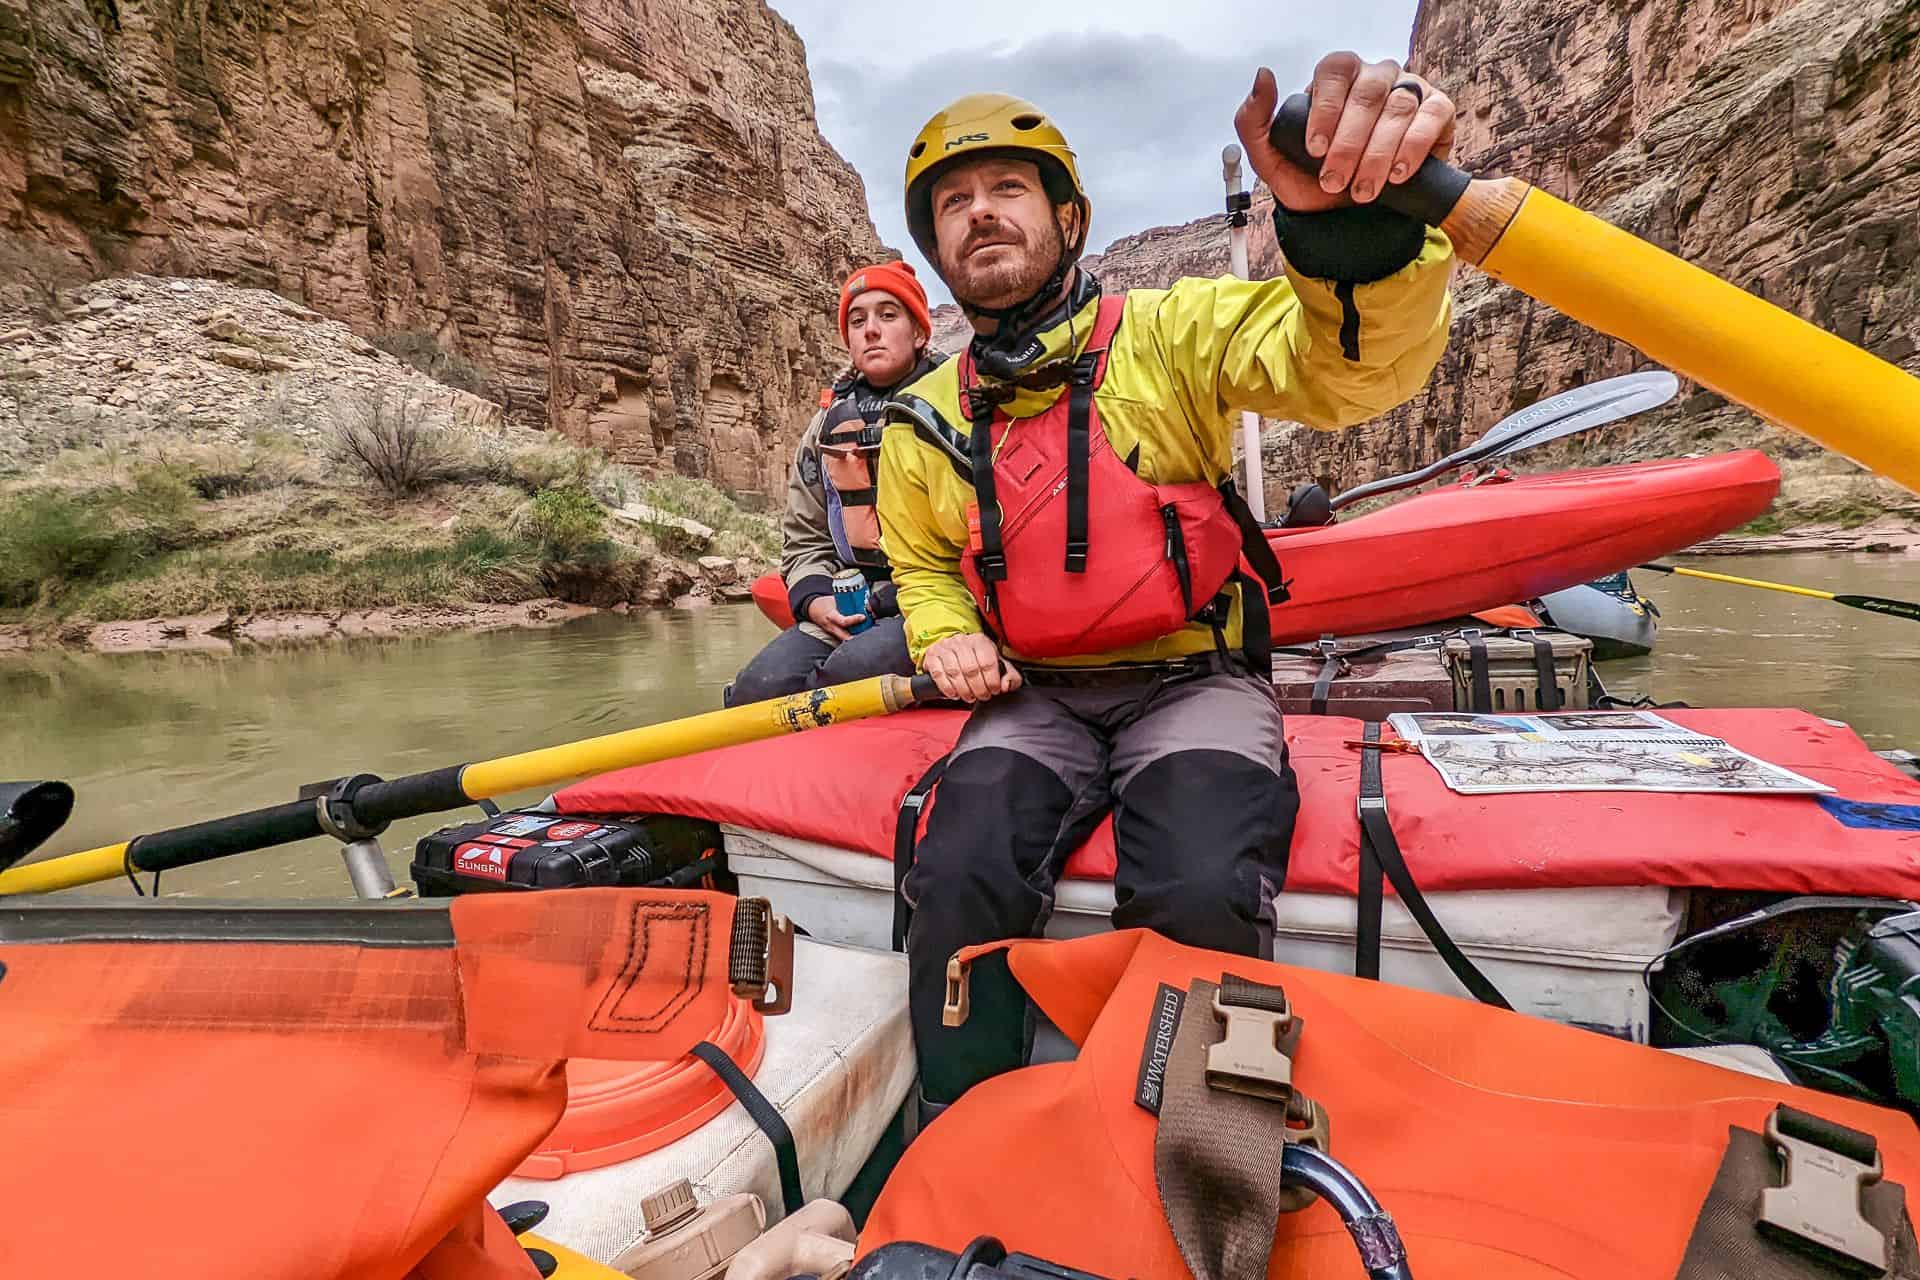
(1326, 352)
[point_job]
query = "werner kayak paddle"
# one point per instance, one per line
(1872, 604)
(1689, 320)
(360, 807)
(1554, 418)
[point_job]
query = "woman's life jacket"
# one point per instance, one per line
(832, 521)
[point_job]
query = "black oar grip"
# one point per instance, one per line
(924, 688)
(1429, 195)
(241, 833)
(435, 791)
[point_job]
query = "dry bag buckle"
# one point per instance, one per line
(1819, 1202)
(958, 1004)
(1254, 1056)
(761, 964)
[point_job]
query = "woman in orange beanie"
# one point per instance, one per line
(831, 526)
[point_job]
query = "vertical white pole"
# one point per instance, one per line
(1256, 494)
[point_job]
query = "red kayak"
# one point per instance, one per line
(1466, 547)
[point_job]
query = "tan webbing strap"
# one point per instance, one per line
(1804, 1201)
(1224, 1111)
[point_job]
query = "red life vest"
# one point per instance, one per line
(1164, 552)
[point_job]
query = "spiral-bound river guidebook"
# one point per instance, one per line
(1587, 751)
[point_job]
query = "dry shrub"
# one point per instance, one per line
(399, 441)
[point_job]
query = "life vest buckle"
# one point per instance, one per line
(1253, 1058)
(1818, 1204)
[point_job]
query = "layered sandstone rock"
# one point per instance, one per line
(623, 208)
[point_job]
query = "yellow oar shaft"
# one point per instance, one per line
(1750, 582)
(1750, 351)
(856, 701)
(91, 867)
(381, 802)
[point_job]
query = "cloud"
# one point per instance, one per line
(1146, 113)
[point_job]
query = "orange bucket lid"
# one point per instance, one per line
(619, 1110)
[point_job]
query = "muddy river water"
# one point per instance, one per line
(155, 740)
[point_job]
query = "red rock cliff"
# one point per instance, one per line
(623, 208)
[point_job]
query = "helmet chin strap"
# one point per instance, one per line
(1014, 345)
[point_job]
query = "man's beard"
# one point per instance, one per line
(1007, 282)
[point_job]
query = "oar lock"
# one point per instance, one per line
(333, 807)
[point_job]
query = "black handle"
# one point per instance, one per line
(240, 833)
(1428, 195)
(924, 688)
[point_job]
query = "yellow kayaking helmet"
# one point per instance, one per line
(1001, 124)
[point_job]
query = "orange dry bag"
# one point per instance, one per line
(311, 1091)
(1500, 1145)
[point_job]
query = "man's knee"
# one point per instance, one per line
(996, 817)
(1202, 839)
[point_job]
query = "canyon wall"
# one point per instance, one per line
(622, 210)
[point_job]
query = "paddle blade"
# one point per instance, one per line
(1577, 410)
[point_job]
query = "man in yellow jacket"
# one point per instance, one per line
(1058, 510)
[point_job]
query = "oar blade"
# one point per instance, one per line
(1880, 604)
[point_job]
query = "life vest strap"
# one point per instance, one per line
(1079, 456)
(1254, 545)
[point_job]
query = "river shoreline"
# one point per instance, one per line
(224, 632)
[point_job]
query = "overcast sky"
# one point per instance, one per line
(1145, 89)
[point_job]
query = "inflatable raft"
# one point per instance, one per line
(1562, 899)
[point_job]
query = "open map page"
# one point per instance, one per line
(1586, 751)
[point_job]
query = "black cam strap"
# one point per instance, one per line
(906, 829)
(1380, 854)
(1080, 457)
(866, 497)
(1477, 667)
(764, 1114)
(1547, 696)
(1332, 663)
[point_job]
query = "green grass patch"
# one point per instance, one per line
(713, 507)
(479, 565)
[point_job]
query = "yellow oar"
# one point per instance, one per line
(361, 806)
(1872, 604)
(1693, 322)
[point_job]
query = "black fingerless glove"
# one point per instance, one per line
(882, 601)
